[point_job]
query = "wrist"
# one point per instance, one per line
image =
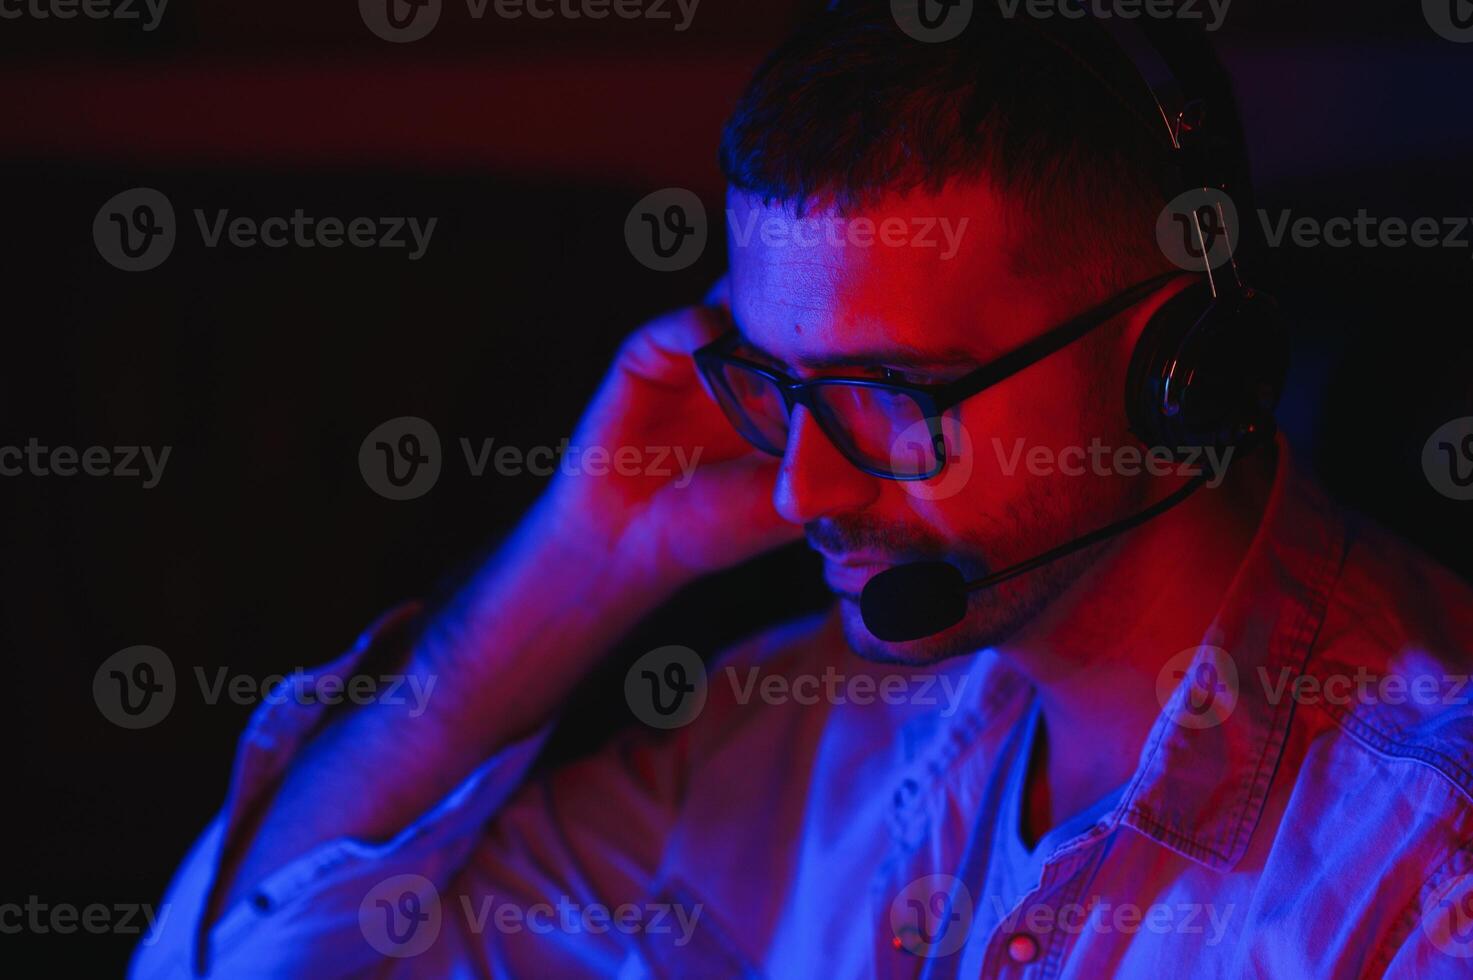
(610, 550)
(550, 602)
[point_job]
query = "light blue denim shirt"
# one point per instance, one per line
(1303, 807)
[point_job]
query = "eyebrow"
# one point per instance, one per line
(898, 357)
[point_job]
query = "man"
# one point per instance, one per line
(1231, 740)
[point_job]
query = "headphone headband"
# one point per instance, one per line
(1166, 89)
(1185, 119)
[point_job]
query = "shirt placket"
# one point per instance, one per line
(1034, 938)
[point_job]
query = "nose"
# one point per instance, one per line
(814, 480)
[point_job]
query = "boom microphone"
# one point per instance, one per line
(915, 600)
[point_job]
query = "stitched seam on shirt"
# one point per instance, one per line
(1173, 837)
(1388, 740)
(931, 769)
(1412, 916)
(1302, 635)
(1388, 744)
(1089, 869)
(1169, 835)
(1270, 748)
(1295, 650)
(1380, 744)
(1300, 640)
(1238, 827)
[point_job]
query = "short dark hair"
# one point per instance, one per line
(1051, 113)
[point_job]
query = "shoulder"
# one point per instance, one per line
(1372, 804)
(1383, 721)
(1392, 665)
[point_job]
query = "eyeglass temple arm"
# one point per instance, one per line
(1049, 343)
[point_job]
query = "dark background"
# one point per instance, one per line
(262, 549)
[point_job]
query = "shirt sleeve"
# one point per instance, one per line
(321, 914)
(558, 873)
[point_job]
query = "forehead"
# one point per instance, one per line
(923, 274)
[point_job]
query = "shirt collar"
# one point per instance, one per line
(1206, 766)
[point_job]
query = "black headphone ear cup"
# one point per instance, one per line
(1208, 372)
(1148, 381)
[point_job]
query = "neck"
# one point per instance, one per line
(1095, 656)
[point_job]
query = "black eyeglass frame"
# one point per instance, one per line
(932, 400)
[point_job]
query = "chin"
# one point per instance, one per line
(959, 640)
(992, 618)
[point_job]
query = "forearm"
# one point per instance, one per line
(502, 655)
(596, 555)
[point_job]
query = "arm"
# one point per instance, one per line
(596, 554)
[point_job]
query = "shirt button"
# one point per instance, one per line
(1022, 948)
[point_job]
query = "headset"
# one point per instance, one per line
(1210, 364)
(1206, 372)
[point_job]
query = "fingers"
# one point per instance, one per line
(661, 350)
(732, 494)
(685, 331)
(749, 481)
(719, 294)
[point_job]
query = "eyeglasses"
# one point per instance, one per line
(890, 429)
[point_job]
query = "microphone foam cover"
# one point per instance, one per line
(912, 601)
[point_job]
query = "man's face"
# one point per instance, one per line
(929, 289)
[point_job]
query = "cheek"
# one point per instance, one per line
(965, 500)
(1062, 402)
(1008, 447)
(1016, 449)
(1003, 438)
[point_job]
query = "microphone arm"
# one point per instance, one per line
(1094, 537)
(908, 602)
